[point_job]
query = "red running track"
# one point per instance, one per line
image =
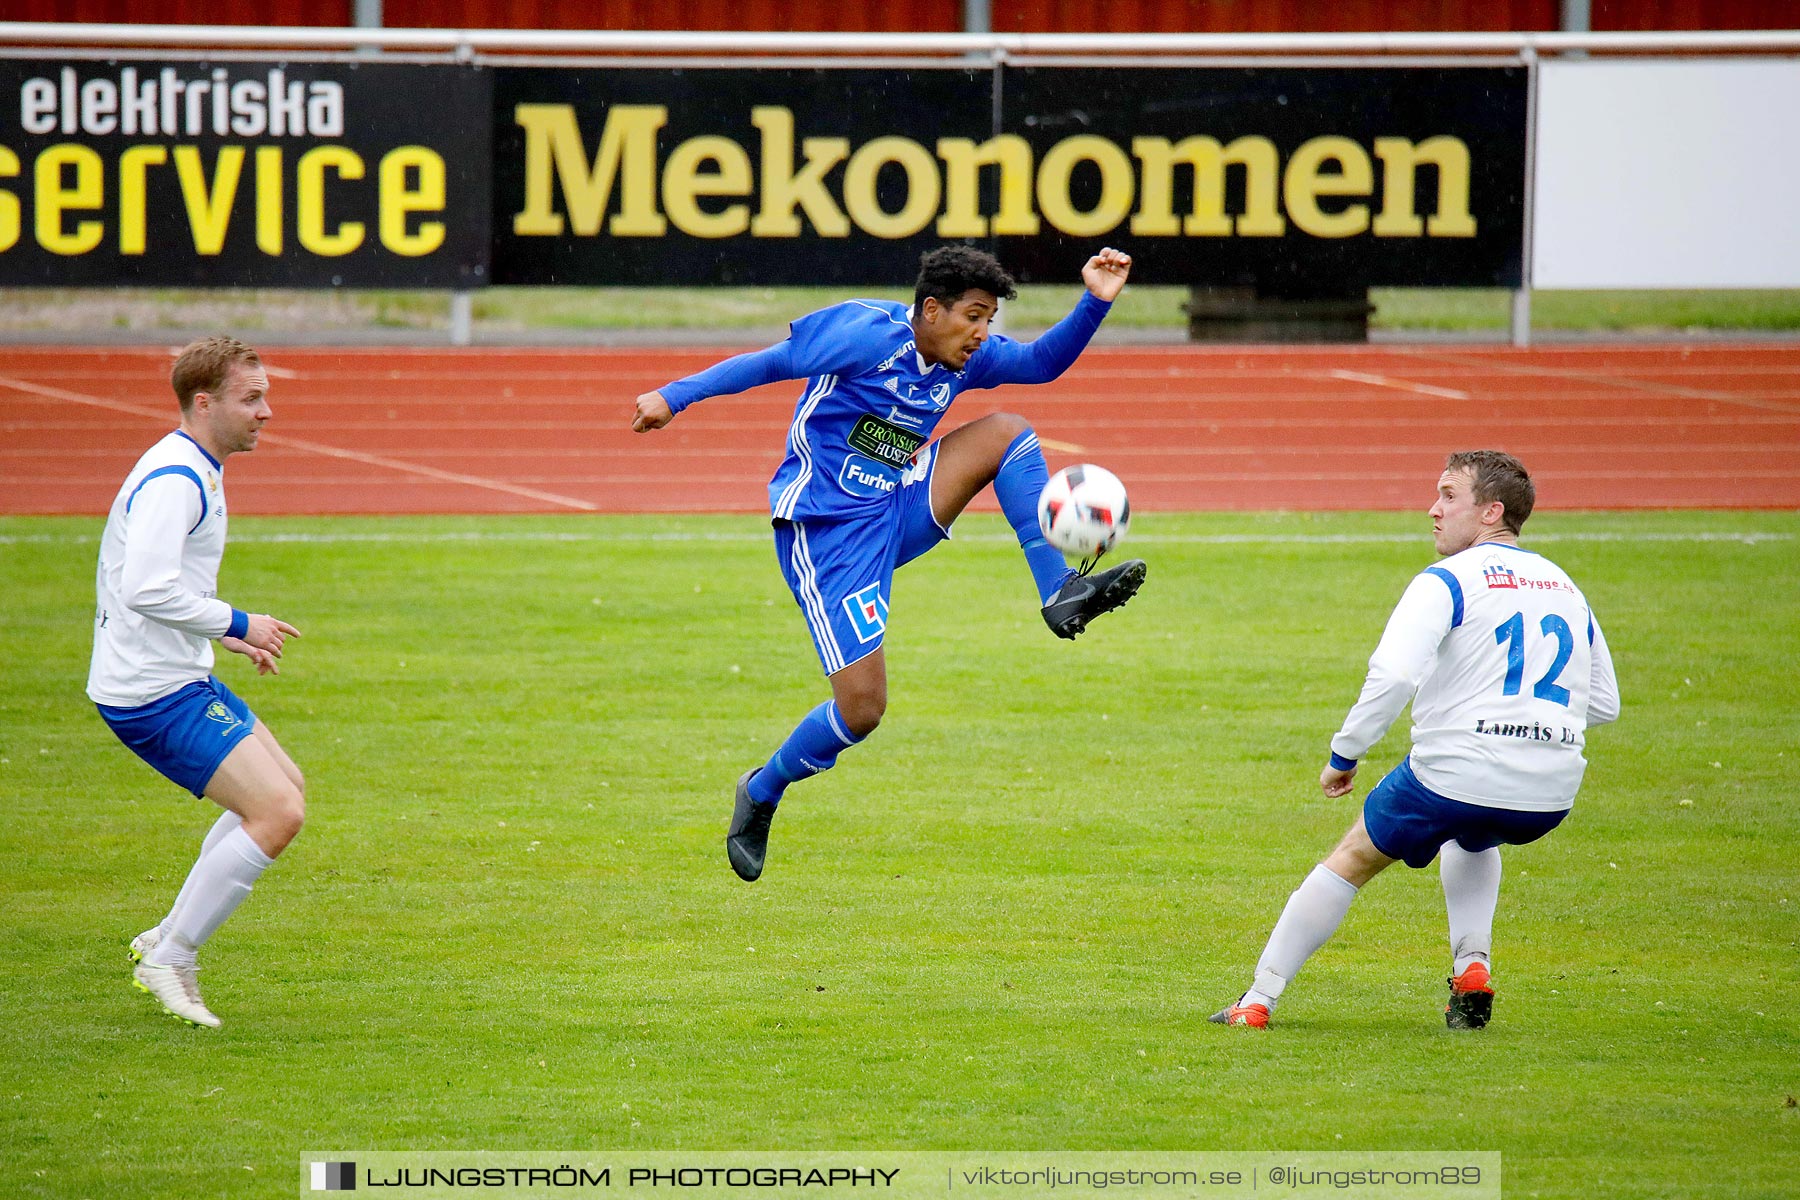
(1188, 428)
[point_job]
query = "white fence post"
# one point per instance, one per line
(462, 316)
(1521, 299)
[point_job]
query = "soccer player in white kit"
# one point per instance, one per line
(151, 675)
(1506, 669)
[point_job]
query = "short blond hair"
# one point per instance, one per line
(203, 366)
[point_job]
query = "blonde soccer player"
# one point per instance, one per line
(157, 620)
(1506, 669)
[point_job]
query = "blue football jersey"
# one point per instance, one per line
(870, 401)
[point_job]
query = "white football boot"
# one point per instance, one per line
(176, 989)
(145, 942)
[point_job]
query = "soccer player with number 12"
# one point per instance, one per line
(1506, 669)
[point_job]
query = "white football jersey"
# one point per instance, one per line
(158, 577)
(1505, 667)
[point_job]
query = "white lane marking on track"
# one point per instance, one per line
(1621, 382)
(310, 447)
(1405, 385)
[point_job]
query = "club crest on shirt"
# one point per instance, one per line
(868, 611)
(1499, 575)
(940, 396)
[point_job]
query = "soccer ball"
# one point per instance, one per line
(1084, 511)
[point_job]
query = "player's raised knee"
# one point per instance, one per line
(1006, 426)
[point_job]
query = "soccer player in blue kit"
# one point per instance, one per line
(863, 490)
(1506, 670)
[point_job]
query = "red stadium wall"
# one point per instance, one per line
(180, 12)
(1273, 16)
(1010, 16)
(1648, 15)
(834, 16)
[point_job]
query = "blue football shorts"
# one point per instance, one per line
(186, 734)
(1409, 821)
(842, 572)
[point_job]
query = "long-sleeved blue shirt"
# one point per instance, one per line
(870, 401)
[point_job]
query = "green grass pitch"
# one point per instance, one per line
(999, 924)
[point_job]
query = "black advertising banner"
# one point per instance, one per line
(1298, 180)
(640, 176)
(139, 172)
(1294, 179)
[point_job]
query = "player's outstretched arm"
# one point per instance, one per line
(1056, 349)
(1105, 273)
(653, 412)
(737, 374)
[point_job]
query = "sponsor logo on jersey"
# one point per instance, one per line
(900, 416)
(892, 384)
(1501, 576)
(1533, 732)
(884, 442)
(864, 477)
(896, 356)
(868, 611)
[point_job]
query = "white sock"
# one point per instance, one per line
(1471, 891)
(220, 880)
(1312, 915)
(224, 825)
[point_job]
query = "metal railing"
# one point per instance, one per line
(465, 43)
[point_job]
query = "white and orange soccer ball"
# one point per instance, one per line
(1084, 510)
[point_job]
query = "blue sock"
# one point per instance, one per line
(1018, 485)
(813, 747)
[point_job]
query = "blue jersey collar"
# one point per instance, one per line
(202, 449)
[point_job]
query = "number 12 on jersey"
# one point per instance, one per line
(1511, 634)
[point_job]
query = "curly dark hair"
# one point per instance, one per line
(949, 271)
(1496, 475)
